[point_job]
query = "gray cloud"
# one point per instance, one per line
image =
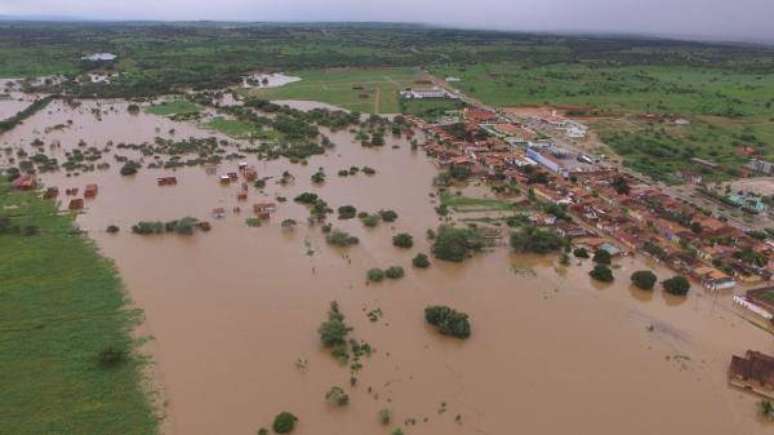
(720, 19)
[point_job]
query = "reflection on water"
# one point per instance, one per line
(233, 309)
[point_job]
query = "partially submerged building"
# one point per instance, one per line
(753, 372)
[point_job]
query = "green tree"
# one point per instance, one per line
(448, 321)
(602, 273)
(421, 261)
(677, 285)
(536, 240)
(602, 257)
(644, 279)
(284, 422)
(403, 240)
(580, 253)
(455, 244)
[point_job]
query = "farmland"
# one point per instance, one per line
(63, 306)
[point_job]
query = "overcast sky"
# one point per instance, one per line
(720, 19)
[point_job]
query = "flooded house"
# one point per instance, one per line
(167, 181)
(76, 204)
(753, 372)
(25, 182)
(51, 193)
(90, 191)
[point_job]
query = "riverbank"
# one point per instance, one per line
(63, 306)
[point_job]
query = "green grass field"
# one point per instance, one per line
(429, 109)
(460, 203)
(61, 305)
(240, 129)
(379, 93)
(173, 107)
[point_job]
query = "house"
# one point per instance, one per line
(90, 191)
(713, 279)
(166, 181)
(753, 372)
(51, 193)
(76, 204)
(761, 166)
(25, 182)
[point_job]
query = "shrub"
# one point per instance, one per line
(644, 279)
(385, 416)
(677, 285)
(371, 220)
(403, 240)
(580, 253)
(347, 212)
(602, 257)
(129, 168)
(337, 397)
(145, 227)
(394, 272)
(368, 171)
(110, 357)
(263, 431)
(455, 244)
(340, 238)
(421, 261)
(375, 275)
(112, 229)
(306, 198)
(388, 215)
(602, 273)
(284, 422)
(30, 230)
(536, 241)
(397, 431)
(318, 177)
(448, 321)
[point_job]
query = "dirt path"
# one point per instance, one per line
(377, 100)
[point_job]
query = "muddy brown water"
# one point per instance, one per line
(232, 310)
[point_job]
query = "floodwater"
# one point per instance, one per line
(232, 310)
(273, 80)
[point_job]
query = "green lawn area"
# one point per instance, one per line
(173, 107)
(240, 129)
(461, 203)
(61, 304)
(378, 93)
(429, 109)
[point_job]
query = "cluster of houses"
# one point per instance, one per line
(753, 372)
(637, 216)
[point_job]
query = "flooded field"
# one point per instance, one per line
(232, 310)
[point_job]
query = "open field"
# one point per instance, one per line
(370, 90)
(62, 305)
(461, 203)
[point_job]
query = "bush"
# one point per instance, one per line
(129, 168)
(340, 238)
(448, 321)
(385, 416)
(580, 253)
(337, 397)
(455, 244)
(677, 285)
(347, 212)
(602, 273)
(602, 257)
(388, 215)
(284, 422)
(536, 241)
(368, 171)
(375, 275)
(403, 240)
(371, 220)
(145, 227)
(394, 272)
(112, 229)
(110, 357)
(421, 261)
(644, 279)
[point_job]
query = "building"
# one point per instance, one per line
(419, 94)
(753, 372)
(761, 166)
(546, 160)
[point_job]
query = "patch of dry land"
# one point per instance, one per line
(234, 312)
